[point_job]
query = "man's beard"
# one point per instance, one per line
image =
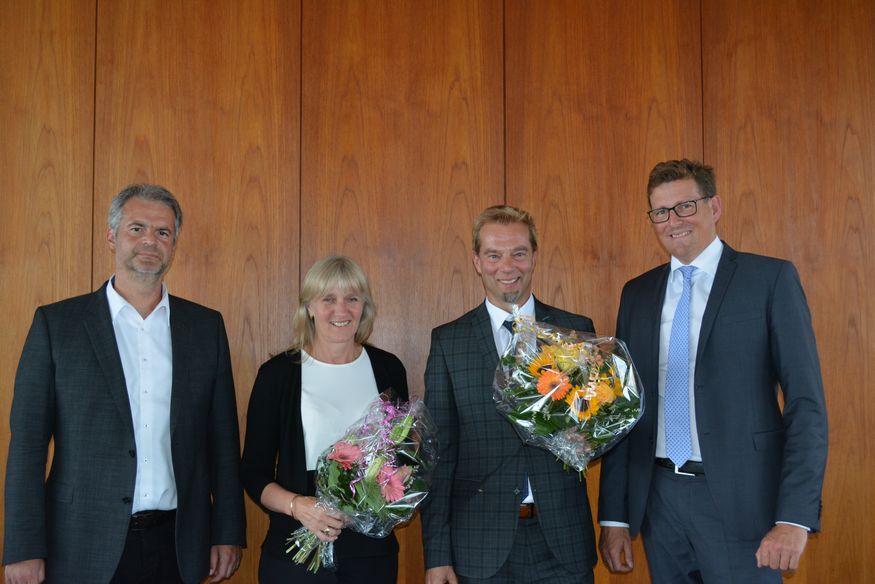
(157, 271)
(511, 297)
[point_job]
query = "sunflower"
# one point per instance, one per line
(544, 361)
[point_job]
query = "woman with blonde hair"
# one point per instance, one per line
(302, 402)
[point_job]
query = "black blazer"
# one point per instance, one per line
(70, 388)
(470, 518)
(274, 446)
(762, 465)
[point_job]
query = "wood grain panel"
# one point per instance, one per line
(402, 148)
(789, 105)
(46, 117)
(597, 93)
(204, 98)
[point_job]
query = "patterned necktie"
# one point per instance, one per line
(678, 445)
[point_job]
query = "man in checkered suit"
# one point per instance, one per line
(499, 511)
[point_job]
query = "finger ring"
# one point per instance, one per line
(326, 531)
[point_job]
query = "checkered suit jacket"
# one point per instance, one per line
(70, 388)
(470, 518)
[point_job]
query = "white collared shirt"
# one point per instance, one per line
(147, 359)
(497, 316)
(703, 278)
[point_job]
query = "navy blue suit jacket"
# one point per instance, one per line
(762, 465)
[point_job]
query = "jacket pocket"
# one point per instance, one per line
(465, 488)
(771, 440)
(737, 317)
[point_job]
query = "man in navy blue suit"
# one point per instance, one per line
(723, 484)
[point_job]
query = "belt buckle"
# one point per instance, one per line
(678, 471)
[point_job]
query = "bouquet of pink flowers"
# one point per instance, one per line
(376, 475)
(570, 392)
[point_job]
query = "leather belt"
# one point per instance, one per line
(148, 519)
(528, 510)
(690, 467)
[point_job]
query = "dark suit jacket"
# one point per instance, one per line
(761, 466)
(470, 518)
(70, 388)
(274, 447)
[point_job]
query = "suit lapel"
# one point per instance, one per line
(543, 312)
(98, 325)
(653, 320)
(182, 346)
(481, 332)
(723, 277)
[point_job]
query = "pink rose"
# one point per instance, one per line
(345, 454)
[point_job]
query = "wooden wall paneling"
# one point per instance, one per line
(789, 102)
(46, 116)
(597, 93)
(402, 148)
(204, 98)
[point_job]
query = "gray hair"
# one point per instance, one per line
(147, 192)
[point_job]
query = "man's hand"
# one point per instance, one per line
(224, 561)
(26, 572)
(782, 547)
(615, 545)
(441, 575)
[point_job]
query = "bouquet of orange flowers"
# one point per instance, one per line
(376, 475)
(570, 392)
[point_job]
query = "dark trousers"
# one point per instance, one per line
(686, 542)
(351, 570)
(150, 555)
(531, 561)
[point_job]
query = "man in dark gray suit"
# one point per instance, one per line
(499, 511)
(723, 485)
(134, 388)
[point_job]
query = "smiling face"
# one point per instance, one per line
(505, 263)
(685, 237)
(144, 242)
(336, 315)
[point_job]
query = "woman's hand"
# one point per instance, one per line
(326, 525)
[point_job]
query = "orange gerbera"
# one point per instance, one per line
(554, 384)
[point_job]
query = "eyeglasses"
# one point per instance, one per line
(683, 209)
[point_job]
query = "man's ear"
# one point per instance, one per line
(716, 207)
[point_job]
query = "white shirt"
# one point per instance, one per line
(703, 278)
(147, 359)
(497, 316)
(333, 397)
(502, 338)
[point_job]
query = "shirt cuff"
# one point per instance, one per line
(613, 524)
(808, 529)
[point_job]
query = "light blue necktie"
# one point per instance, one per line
(678, 445)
